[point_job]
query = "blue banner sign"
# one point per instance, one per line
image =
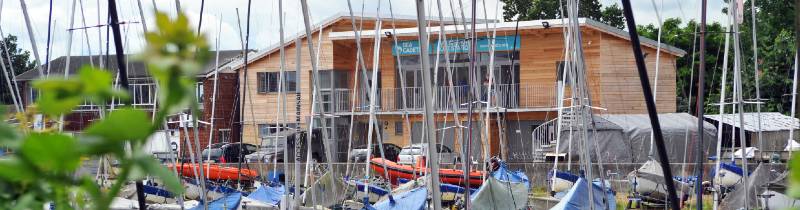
(458, 45)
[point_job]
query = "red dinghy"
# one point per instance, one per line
(449, 176)
(215, 172)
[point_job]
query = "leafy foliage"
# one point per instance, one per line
(20, 62)
(44, 163)
(549, 9)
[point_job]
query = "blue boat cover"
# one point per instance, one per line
(268, 194)
(732, 167)
(564, 175)
(372, 188)
(153, 190)
(229, 202)
(455, 189)
(503, 174)
(414, 199)
(505, 189)
(578, 197)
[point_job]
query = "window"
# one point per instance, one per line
(199, 92)
(267, 82)
(34, 95)
(269, 130)
(142, 94)
(560, 67)
(398, 128)
(224, 135)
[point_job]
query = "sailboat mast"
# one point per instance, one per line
(427, 92)
(721, 123)
(651, 105)
(32, 37)
(737, 82)
(316, 90)
(701, 87)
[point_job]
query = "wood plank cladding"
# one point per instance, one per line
(611, 74)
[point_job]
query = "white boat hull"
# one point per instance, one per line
(776, 200)
(727, 178)
(561, 185)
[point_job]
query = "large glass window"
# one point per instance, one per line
(267, 82)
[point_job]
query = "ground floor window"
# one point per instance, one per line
(224, 135)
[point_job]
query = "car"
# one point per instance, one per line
(410, 154)
(227, 152)
(390, 151)
(268, 153)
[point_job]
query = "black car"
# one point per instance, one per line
(227, 152)
(390, 151)
(268, 153)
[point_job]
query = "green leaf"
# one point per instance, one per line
(8, 136)
(153, 167)
(794, 176)
(51, 152)
(58, 96)
(16, 171)
(123, 124)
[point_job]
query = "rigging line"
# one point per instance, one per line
(13, 90)
(466, 159)
(86, 34)
(720, 123)
(32, 38)
(283, 89)
(580, 73)
(47, 43)
(651, 106)
(69, 52)
(359, 63)
(101, 63)
(701, 108)
(8, 81)
(658, 62)
(428, 117)
(756, 74)
(200, 22)
(740, 101)
(560, 86)
(316, 87)
(244, 96)
(213, 98)
(791, 141)
(373, 98)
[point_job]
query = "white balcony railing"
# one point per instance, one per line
(511, 96)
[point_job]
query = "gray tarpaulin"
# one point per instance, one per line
(625, 138)
(758, 179)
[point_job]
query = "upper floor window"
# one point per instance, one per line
(199, 92)
(268, 81)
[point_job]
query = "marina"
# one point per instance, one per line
(440, 104)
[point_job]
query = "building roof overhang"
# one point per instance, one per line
(288, 41)
(510, 26)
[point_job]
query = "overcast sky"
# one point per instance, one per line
(264, 18)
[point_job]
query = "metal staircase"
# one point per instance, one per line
(544, 136)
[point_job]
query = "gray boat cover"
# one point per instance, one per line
(321, 192)
(625, 138)
(764, 174)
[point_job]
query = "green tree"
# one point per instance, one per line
(20, 61)
(549, 9)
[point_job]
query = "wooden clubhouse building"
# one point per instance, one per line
(522, 97)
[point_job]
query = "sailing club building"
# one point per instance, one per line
(527, 60)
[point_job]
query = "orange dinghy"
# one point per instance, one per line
(449, 176)
(215, 172)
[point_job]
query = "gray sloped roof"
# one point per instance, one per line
(136, 69)
(770, 121)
